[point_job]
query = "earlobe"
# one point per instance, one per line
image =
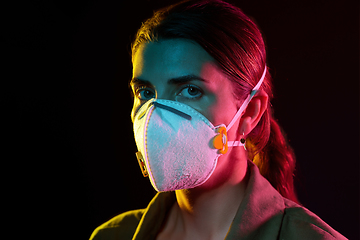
(245, 127)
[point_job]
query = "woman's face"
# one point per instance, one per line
(181, 70)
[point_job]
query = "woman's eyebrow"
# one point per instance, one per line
(184, 79)
(137, 81)
(176, 80)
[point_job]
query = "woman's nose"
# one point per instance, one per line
(165, 93)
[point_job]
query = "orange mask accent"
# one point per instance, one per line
(220, 141)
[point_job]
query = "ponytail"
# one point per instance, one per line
(276, 160)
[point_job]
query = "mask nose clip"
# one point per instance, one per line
(173, 110)
(220, 141)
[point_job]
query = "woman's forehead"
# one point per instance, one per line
(169, 59)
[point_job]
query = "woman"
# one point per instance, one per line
(206, 136)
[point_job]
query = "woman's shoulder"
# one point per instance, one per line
(300, 223)
(121, 226)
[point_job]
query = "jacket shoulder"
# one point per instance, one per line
(122, 226)
(300, 223)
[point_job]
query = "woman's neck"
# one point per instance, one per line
(206, 212)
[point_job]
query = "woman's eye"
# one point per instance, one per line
(144, 94)
(190, 92)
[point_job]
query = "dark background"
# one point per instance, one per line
(68, 151)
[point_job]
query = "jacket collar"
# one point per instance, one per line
(261, 211)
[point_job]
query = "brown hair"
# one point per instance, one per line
(235, 42)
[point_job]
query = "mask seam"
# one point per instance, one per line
(152, 179)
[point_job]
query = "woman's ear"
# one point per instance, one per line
(253, 112)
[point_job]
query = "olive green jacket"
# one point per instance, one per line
(263, 214)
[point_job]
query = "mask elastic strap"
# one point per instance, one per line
(245, 103)
(220, 141)
(235, 144)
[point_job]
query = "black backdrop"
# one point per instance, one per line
(68, 151)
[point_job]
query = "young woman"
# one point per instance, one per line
(206, 136)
